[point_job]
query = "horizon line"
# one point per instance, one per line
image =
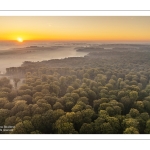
(83, 40)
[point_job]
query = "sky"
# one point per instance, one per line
(75, 28)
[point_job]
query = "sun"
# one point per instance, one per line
(19, 39)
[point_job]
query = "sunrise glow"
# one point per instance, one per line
(81, 28)
(19, 39)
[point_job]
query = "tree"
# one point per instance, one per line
(4, 94)
(110, 111)
(103, 106)
(9, 105)
(54, 89)
(106, 128)
(5, 82)
(84, 100)
(87, 128)
(143, 80)
(38, 88)
(147, 129)
(16, 80)
(48, 119)
(12, 95)
(139, 106)
(63, 85)
(10, 121)
(37, 122)
(69, 105)
(96, 104)
(75, 96)
(144, 116)
(77, 107)
(130, 122)
(78, 120)
(70, 116)
(117, 110)
(58, 113)
(87, 115)
(24, 127)
(133, 95)
(115, 124)
(27, 98)
(24, 87)
(109, 86)
(58, 105)
(134, 113)
(148, 88)
(69, 89)
(126, 103)
(91, 96)
(98, 125)
(20, 105)
(36, 132)
(62, 126)
(131, 130)
(143, 94)
(51, 99)
(142, 119)
(4, 113)
(121, 94)
(3, 101)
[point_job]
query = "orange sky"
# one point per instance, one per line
(75, 28)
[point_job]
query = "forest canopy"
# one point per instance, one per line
(104, 92)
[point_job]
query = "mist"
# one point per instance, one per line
(13, 54)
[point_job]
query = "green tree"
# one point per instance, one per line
(87, 128)
(24, 127)
(131, 130)
(58, 105)
(4, 113)
(62, 126)
(3, 101)
(134, 113)
(133, 95)
(147, 129)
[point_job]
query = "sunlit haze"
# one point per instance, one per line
(80, 28)
(19, 39)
